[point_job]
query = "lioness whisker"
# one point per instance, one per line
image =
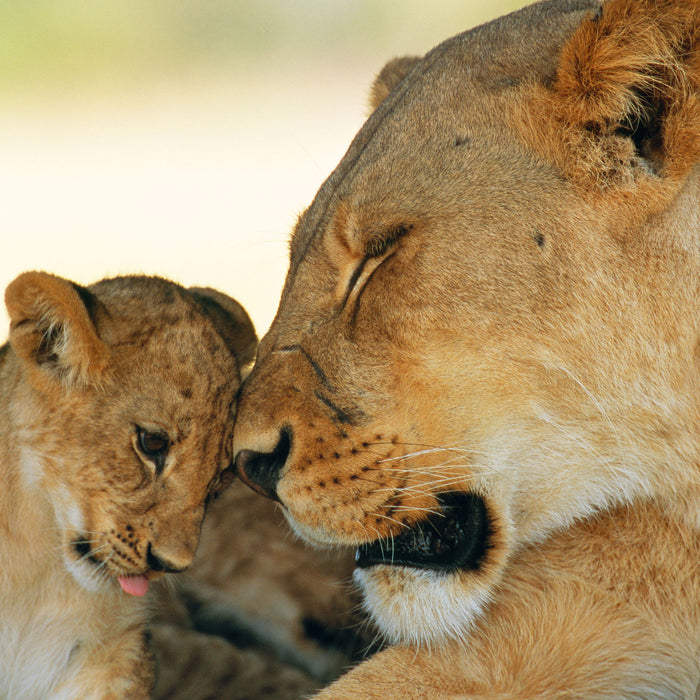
(590, 394)
(393, 520)
(380, 539)
(459, 454)
(432, 469)
(422, 445)
(412, 509)
(424, 487)
(410, 455)
(579, 440)
(448, 473)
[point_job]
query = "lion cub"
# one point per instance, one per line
(115, 429)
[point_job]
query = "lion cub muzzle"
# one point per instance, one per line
(130, 556)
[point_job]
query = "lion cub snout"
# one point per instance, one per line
(169, 562)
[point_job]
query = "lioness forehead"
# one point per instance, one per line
(437, 107)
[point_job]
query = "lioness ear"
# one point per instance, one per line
(389, 77)
(231, 321)
(625, 93)
(51, 329)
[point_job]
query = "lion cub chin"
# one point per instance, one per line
(115, 430)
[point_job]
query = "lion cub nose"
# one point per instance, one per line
(261, 470)
(167, 563)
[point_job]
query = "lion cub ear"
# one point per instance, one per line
(625, 94)
(389, 77)
(51, 329)
(230, 320)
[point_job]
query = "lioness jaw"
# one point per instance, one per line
(492, 303)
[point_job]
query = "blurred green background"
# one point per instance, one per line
(182, 138)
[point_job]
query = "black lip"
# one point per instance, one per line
(456, 537)
(83, 549)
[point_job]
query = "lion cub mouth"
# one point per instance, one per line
(454, 537)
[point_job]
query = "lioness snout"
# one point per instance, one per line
(261, 470)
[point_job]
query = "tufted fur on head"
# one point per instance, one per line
(624, 103)
(389, 77)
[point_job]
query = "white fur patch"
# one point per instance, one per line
(88, 576)
(34, 654)
(420, 607)
(31, 466)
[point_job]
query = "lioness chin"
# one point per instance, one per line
(490, 325)
(115, 425)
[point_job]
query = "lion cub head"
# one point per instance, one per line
(490, 324)
(120, 400)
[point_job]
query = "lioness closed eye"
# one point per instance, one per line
(491, 320)
(116, 417)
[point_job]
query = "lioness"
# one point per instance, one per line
(115, 426)
(490, 329)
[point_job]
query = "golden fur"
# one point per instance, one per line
(488, 332)
(607, 609)
(259, 613)
(115, 426)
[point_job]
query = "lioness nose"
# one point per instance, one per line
(261, 470)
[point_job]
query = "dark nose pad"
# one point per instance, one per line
(157, 563)
(261, 470)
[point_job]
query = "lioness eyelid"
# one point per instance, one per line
(355, 276)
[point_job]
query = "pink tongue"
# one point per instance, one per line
(134, 585)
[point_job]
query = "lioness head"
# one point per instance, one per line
(121, 397)
(490, 322)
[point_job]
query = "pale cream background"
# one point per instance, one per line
(193, 165)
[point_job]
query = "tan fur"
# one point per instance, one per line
(197, 666)
(80, 502)
(607, 609)
(256, 604)
(495, 295)
(389, 77)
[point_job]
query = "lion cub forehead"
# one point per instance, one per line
(159, 334)
(136, 310)
(132, 298)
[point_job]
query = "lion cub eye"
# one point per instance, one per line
(153, 446)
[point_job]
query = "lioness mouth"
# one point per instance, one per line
(455, 537)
